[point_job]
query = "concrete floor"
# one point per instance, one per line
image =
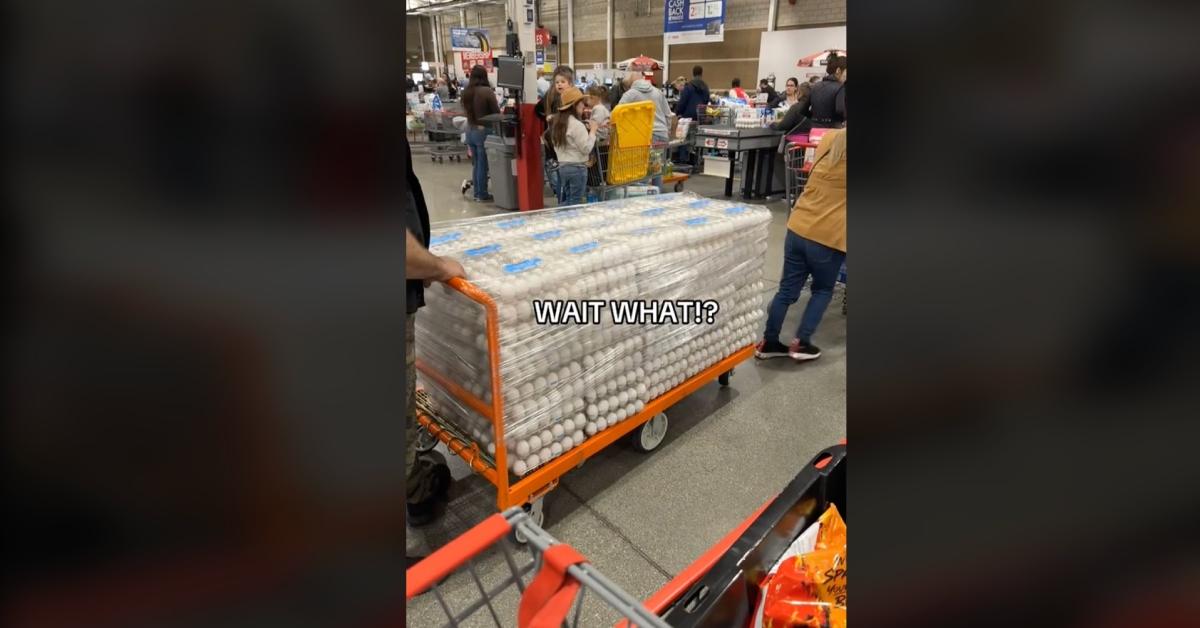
(641, 518)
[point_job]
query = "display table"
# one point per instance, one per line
(755, 147)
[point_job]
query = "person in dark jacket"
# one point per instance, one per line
(773, 97)
(796, 119)
(827, 104)
(694, 95)
(428, 477)
(479, 100)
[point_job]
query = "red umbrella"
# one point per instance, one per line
(641, 62)
(817, 59)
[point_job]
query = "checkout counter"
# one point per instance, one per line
(755, 148)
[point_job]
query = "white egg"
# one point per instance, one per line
(535, 443)
(622, 414)
(533, 461)
(592, 410)
(578, 437)
(641, 390)
(568, 425)
(523, 448)
(578, 405)
(545, 454)
(602, 407)
(613, 402)
(568, 443)
(539, 383)
(590, 428)
(520, 468)
(601, 425)
(556, 449)
(623, 397)
(557, 430)
(612, 418)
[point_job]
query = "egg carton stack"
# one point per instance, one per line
(562, 384)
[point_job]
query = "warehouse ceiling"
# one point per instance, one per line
(427, 7)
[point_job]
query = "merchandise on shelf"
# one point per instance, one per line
(564, 383)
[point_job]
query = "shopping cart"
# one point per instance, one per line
(445, 136)
(720, 589)
(628, 171)
(798, 161)
(543, 584)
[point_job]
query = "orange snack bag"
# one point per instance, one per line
(809, 591)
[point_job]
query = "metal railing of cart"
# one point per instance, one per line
(548, 580)
(445, 135)
(798, 159)
(628, 171)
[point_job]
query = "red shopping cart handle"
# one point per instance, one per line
(550, 596)
(451, 556)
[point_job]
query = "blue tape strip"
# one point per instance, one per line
(483, 250)
(583, 248)
(546, 235)
(735, 210)
(444, 238)
(520, 267)
(509, 224)
(654, 211)
(698, 220)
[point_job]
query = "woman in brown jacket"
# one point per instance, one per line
(815, 245)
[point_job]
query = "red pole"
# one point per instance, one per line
(529, 161)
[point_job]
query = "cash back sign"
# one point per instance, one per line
(694, 21)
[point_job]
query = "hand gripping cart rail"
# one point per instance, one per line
(646, 429)
(550, 580)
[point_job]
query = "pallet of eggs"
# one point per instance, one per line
(562, 384)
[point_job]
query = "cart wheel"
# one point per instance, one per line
(723, 378)
(679, 186)
(536, 514)
(433, 158)
(650, 435)
(425, 440)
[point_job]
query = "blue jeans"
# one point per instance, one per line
(479, 175)
(801, 258)
(572, 179)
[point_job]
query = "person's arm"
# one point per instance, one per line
(419, 263)
(493, 104)
(840, 103)
(583, 137)
(681, 104)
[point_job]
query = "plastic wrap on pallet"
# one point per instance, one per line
(563, 383)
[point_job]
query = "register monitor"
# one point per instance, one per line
(510, 72)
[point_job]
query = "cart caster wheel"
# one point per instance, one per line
(679, 186)
(536, 514)
(433, 159)
(650, 435)
(425, 440)
(723, 378)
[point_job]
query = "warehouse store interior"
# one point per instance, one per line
(702, 156)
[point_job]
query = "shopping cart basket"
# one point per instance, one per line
(721, 588)
(445, 136)
(620, 172)
(798, 160)
(545, 584)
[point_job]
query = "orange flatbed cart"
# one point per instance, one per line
(528, 491)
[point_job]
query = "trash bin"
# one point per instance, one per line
(501, 156)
